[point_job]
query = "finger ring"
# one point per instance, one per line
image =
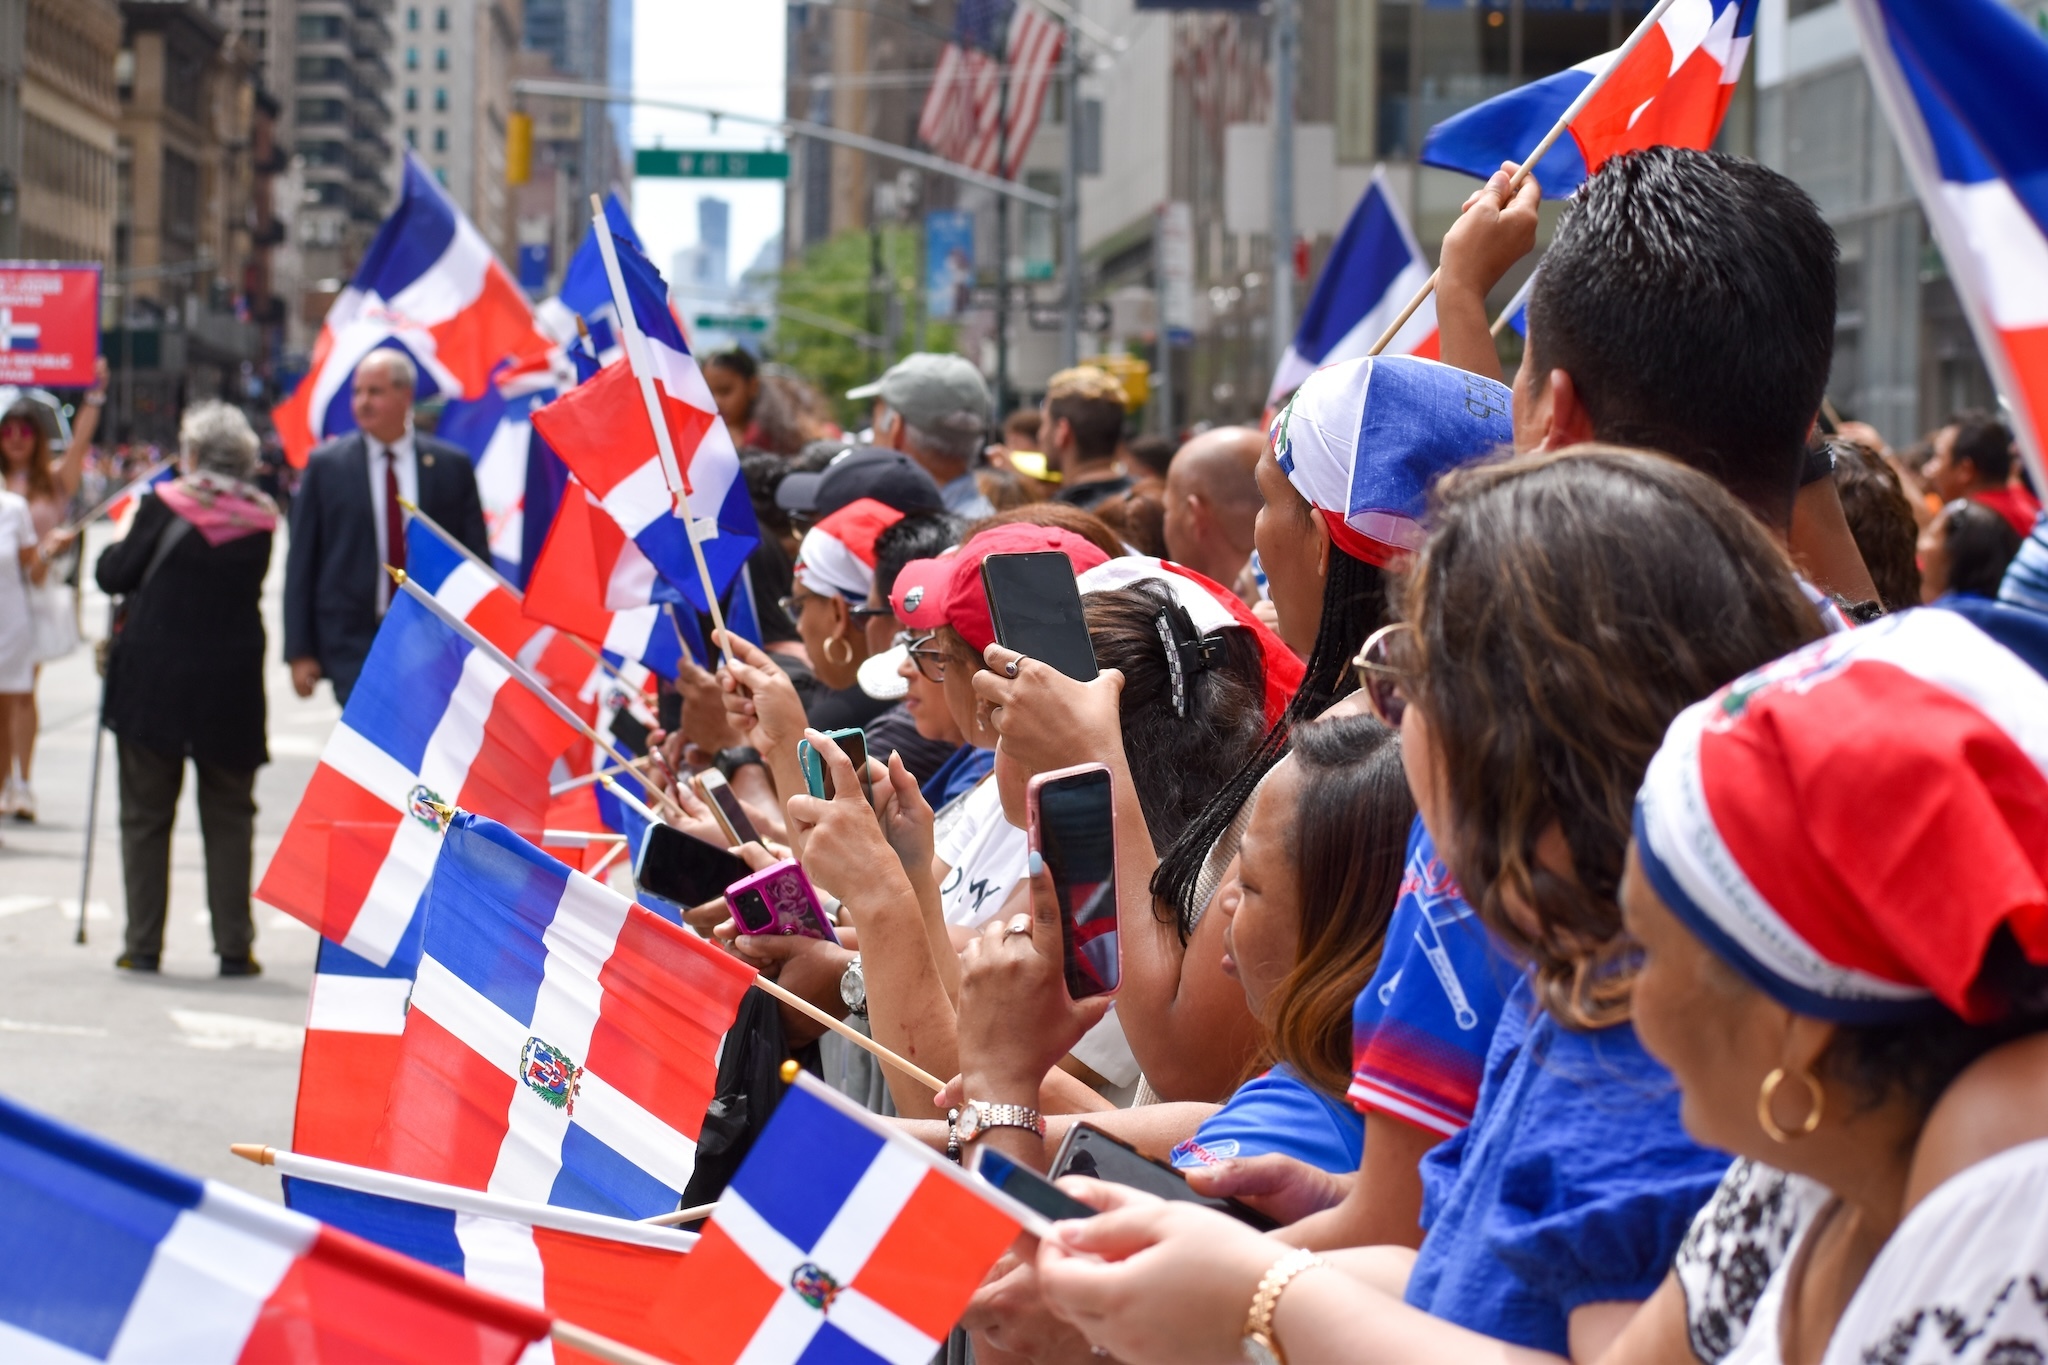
(1019, 925)
(1010, 668)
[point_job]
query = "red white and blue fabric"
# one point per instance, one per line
(1850, 825)
(590, 579)
(432, 718)
(611, 1275)
(1964, 84)
(587, 293)
(1672, 90)
(429, 286)
(1211, 607)
(840, 1240)
(838, 554)
(601, 431)
(121, 511)
(561, 1044)
(1363, 441)
(967, 116)
(1372, 271)
(110, 1257)
(497, 430)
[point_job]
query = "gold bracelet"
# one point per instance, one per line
(1259, 1344)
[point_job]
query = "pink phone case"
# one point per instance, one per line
(779, 900)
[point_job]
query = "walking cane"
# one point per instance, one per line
(92, 787)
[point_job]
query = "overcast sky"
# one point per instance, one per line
(726, 54)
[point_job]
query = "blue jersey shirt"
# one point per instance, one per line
(1278, 1112)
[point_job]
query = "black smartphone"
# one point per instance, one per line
(1035, 606)
(1071, 814)
(1027, 1186)
(1094, 1153)
(668, 708)
(684, 869)
(629, 734)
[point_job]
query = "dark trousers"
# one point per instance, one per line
(150, 783)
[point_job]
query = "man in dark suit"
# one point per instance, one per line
(347, 523)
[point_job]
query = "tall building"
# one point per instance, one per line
(330, 62)
(575, 151)
(454, 95)
(714, 235)
(57, 140)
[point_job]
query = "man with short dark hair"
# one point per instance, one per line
(1080, 427)
(1973, 459)
(1687, 305)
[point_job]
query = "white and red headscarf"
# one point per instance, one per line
(838, 554)
(1211, 607)
(1850, 825)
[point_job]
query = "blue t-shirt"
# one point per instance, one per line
(1574, 1185)
(1421, 1026)
(1278, 1112)
(964, 767)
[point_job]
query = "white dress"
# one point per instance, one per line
(17, 632)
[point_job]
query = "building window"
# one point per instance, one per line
(412, 137)
(441, 98)
(440, 139)
(412, 59)
(412, 99)
(440, 59)
(441, 174)
(412, 20)
(441, 19)
(180, 208)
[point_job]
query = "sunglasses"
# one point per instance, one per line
(1380, 677)
(793, 607)
(930, 663)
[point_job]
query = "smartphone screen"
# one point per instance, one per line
(725, 805)
(1027, 1186)
(1035, 606)
(1076, 833)
(684, 869)
(628, 733)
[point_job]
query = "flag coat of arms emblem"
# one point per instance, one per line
(561, 1044)
(839, 1241)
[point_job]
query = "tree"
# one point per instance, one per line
(848, 310)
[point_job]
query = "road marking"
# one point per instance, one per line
(67, 1030)
(15, 905)
(297, 746)
(95, 911)
(220, 1032)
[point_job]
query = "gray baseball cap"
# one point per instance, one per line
(933, 392)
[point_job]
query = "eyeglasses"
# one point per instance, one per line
(1380, 677)
(930, 663)
(793, 607)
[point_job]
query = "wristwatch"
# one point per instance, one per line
(853, 988)
(729, 761)
(1259, 1345)
(978, 1116)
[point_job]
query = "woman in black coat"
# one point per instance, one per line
(185, 680)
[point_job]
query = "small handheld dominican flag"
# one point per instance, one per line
(842, 1240)
(562, 1042)
(109, 1257)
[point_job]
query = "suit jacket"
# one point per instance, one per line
(330, 569)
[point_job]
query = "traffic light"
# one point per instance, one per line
(518, 148)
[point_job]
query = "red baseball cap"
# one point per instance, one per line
(947, 591)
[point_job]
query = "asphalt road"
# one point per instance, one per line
(179, 1065)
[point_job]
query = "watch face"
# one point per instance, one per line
(970, 1121)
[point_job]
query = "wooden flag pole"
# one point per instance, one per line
(639, 362)
(669, 1220)
(521, 674)
(123, 491)
(579, 838)
(850, 1034)
(1522, 172)
(603, 1348)
(570, 784)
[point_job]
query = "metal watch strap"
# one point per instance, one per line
(987, 1116)
(1258, 1323)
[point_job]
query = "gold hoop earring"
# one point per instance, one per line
(844, 648)
(1817, 1099)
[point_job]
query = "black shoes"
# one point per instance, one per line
(137, 962)
(240, 966)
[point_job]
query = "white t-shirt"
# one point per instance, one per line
(17, 635)
(986, 855)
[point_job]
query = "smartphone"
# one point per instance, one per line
(1094, 1153)
(1027, 1187)
(628, 733)
(681, 868)
(1035, 606)
(818, 777)
(1072, 818)
(725, 806)
(779, 900)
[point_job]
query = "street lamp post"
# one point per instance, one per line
(1286, 42)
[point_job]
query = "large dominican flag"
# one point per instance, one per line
(592, 580)
(109, 1257)
(561, 1043)
(600, 430)
(497, 431)
(840, 1240)
(1672, 90)
(1373, 270)
(430, 286)
(1964, 84)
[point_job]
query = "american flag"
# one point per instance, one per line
(962, 118)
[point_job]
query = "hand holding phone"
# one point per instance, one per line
(1036, 1193)
(818, 773)
(1072, 818)
(779, 900)
(725, 806)
(684, 869)
(1091, 1152)
(1035, 606)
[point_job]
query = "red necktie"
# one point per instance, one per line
(394, 516)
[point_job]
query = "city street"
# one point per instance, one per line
(175, 1066)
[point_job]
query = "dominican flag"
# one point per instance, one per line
(110, 1257)
(613, 1276)
(497, 431)
(842, 1240)
(1372, 271)
(1964, 84)
(429, 286)
(121, 511)
(592, 580)
(587, 293)
(431, 719)
(601, 432)
(561, 1044)
(1671, 90)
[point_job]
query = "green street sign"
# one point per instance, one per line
(710, 164)
(732, 322)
